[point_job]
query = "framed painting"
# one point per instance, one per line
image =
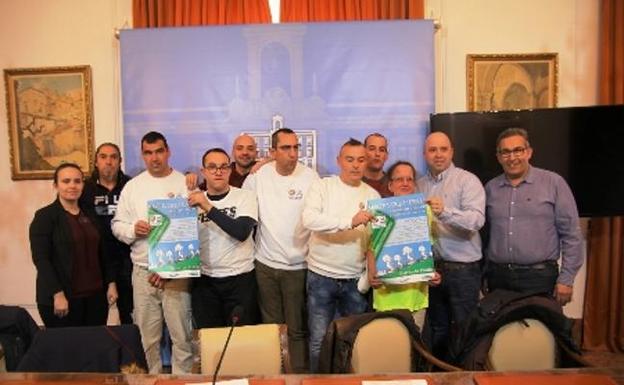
(511, 81)
(50, 113)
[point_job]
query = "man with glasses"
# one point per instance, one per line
(457, 200)
(280, 187)
(376, 146)
(227, 218)
(533, 220)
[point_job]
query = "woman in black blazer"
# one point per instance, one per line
(74, 285)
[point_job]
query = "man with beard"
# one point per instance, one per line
(376, 146)
(244, 152)
(101, 192)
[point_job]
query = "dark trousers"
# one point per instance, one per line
(125, 303)
(282, 299)
(539, 278)
(85, 311)
(213, 300)
(451, 302)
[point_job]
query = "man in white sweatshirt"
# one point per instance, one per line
(154, 297)
(334, 210)
(282, 241)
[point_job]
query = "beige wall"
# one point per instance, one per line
(568, 27)
(42, 33)
(39, 33)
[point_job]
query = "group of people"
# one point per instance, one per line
(290, 247)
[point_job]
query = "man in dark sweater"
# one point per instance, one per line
(244, 152)
(101, 192)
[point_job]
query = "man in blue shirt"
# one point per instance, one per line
(457, 200)
(533, 221)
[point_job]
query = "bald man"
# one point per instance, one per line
(244, 152)
(457, 200)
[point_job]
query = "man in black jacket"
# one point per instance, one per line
(101, 192)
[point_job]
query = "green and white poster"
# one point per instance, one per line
(173, 240)
(400, 239)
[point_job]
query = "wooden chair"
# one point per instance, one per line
(253, 350)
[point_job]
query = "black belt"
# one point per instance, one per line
(534, 266)
(451, 265)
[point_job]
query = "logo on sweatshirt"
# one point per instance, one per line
(295, 194)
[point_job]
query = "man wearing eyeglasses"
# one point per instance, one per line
(533, 221)
(457, 200)
(280, 187)
(226, 220)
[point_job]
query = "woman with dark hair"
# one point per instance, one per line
(413, 296)
(73, 275)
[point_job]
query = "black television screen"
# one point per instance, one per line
(582, 144)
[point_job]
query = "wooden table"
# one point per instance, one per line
(555, 377)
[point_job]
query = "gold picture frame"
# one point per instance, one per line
(511, 81)
(50, 114)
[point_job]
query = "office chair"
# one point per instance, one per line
(17, 331)
(380, 342)
(523, 345)
(104, 349)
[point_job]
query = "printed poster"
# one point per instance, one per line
(173, 241)
(400, 239)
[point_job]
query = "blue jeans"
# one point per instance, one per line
(452, 302)
(329, 298)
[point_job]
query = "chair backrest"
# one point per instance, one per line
(523, 345)
(382, 346)
(85, 349)
(253, 350)
(17, 331)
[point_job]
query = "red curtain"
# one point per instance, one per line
(603, 320)
(348, 10)
(178, 13)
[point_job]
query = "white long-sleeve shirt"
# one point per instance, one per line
(132, 207)
(336, 250)
(281, 240)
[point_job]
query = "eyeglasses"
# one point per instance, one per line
(403, 179)
(213, 168)
(506, 153)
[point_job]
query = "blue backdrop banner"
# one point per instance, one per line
(201, 87)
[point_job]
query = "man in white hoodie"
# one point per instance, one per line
(334, 210)
(155, 297)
